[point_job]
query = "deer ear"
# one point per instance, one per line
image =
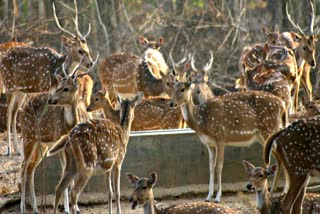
(248, 166)
(265, 30)
(153, 178)
(143, 41)
(160, 42)
(266, 48)
(59, 78)
(66, 41)
(187, 66)
(272, 170)
(132, 178)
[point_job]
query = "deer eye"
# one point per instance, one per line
(168, 83)
(66, 89)
(260, 175)
(97, 99)
(144, 187)
(80, 51)
(182, 90)
(304, 48)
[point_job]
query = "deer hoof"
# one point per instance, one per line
(216, 201)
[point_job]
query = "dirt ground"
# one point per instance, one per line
(244, 204)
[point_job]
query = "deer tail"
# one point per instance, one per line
(59, 145)
(268, 147)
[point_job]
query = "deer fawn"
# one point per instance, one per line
(95, 145)
(39, 133)
(27, 70)
(237, 119)
(127, 74)
(143, 195)
(296, 147)
(266, 204)
(151, 114)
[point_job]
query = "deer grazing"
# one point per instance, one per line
(143, 195)
(39, 132)
(267, 204)
(29, 70)
(127, 74)
(297, 149)
(151, 114)
(95, 145)
(236, 119)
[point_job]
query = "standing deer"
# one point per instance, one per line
(28, 70)
(39, 132)
(297, 149)
(143, 195)
(127, 74)
(95, 145)
(151, 114)
(237, 119)
(266, 204)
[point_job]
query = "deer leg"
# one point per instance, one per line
(212, 165)
(109, 190)
(296, 184)
(11, 101)
(297, 207)
(19, 101)
(68, 174)
(219, 160)
(29, 150)
(80, 183)
(117, 186)
(66, 195)
(40, 152)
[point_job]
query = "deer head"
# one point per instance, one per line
(127, 107)
(180, 68)
(180, 94)
(75, 44)
(97, 101)
(67, 90)
(142, 189)
(307, 44)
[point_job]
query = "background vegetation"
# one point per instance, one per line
(196, 26)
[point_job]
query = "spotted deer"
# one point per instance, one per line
(143, 195)
(236, 119)
(267, 204)
(304, 47)
(310, 109)
(126, 74)
(97, 145)
(44, 122)
(151, 114)
(297, 149)
(181, 68)
(29, 70)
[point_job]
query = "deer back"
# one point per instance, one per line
(30, 70)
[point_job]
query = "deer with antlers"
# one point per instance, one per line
(267, 204)
(151, 114)
(28, 70)
(143, 195)
(297, 149)
(95, 145)
(237, 119)
(127, 74)
(39, 133)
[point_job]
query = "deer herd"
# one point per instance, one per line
(52, 96)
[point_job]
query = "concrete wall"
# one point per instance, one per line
(178, 157)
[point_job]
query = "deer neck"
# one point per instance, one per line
(71, 115)
(149, 207)
(125, 122)
(150, 84)
(189, 112)
(263, 200)
(110, 113)
(300, 61)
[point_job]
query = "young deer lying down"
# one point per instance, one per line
(266, 204)
(97, 145)
(143, 194)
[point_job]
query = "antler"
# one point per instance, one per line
(312, 18)
(77, 23)
(294, 25)
(74, 73)
(192, 63)
(58, 24)
(207, 67)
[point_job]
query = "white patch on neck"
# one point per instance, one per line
(184, 112)
(69, 118)
(260, 200)
(154, 57)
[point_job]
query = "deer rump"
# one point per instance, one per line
(30, 70)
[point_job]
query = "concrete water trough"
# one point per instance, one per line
(177, 155)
